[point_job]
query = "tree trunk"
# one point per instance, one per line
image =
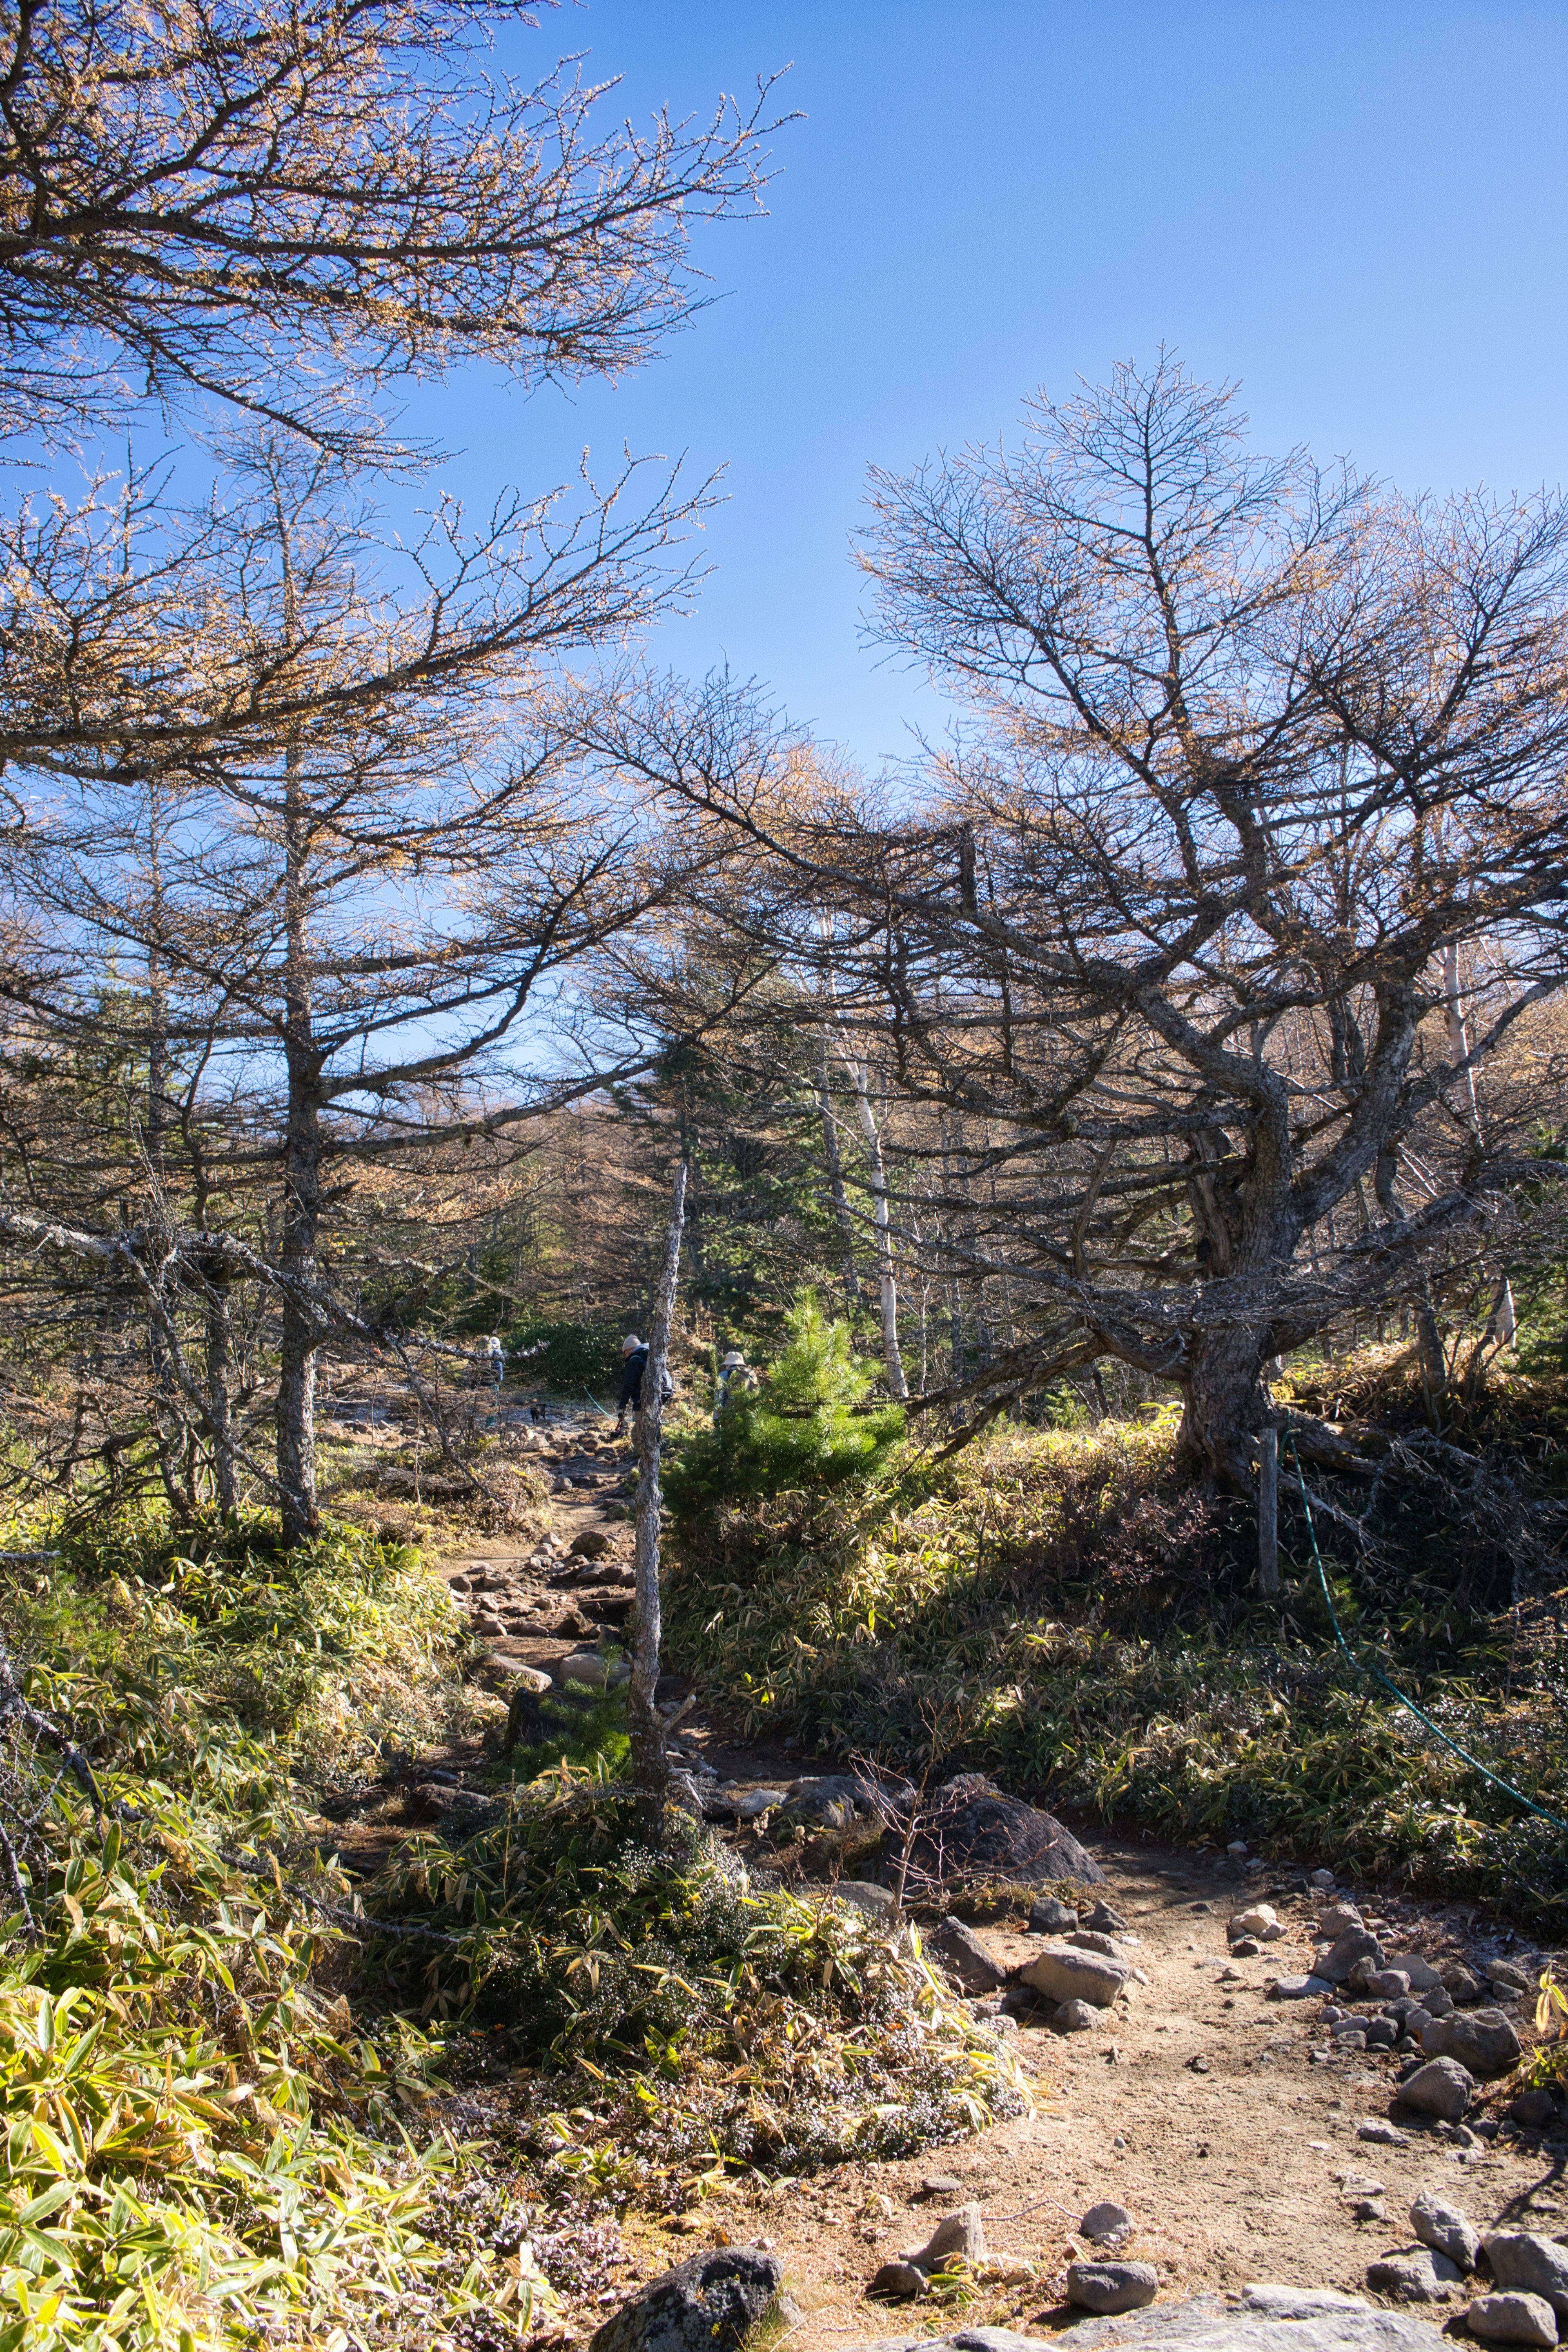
(224, 1485)
(836, 1192)
(877, 1182)
(301, 1194)
(650, 1761)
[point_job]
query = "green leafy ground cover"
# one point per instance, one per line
(1051, 1607)
(238, 2109)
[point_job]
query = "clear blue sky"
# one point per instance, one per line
(1357, 210)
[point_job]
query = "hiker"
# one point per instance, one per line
(634, 1363)
(491, 1366)
(634, 1352)
(736, 1379)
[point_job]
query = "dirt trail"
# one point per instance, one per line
(1220, 2119)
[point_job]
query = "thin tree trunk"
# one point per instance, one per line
(302, 1196)
(224, 1485)
(877, 1183)
(1269, 1512)
(834, 1158)
(650, 1760)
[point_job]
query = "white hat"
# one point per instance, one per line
(630, 1342)
(732, 1360)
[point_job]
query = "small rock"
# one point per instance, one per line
(1050, 1918)
(1355, 1944)
(1109, 1922)
(1414, 2276)
(1458, 1981)
(1338, 1919)
(592, 1544)
(1308, 1988)
(1423, 1976)
(1064, 1973)
(1509, 1977)
(1076, 2017)
(531, 1679)
(941, 2184)
(1533, 2109)
(901, 2280)
(758, 1801)
(1388, 1984)
(1381, 2134)
(1382, 2033)
(584, 1667)
(1525, 2264)
(1350, 2034)
(1369, 2209)
(1103, 2221)
(1512, 2319)
(1437, 2001)
(1112, 2286)
(1322, 1877)
(1245, 1948)
(965, 1958)
(958, 2236)
(1482, 2039)
(1416, 2021)
(716, 2297)
(1236, 1849)
(1444, 2229)
(1088, 1939)
(1253, 1921)
(1442, 2088)
(877, 1902)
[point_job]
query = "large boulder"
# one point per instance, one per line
(1067, 1973)
(1481, 2038)
(716, 2298)
(969, 1832)
(1268, 2318)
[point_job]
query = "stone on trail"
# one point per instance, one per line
(1355, 1944)
(1051, 1918)
(1423, 1976)
(584, 1667)
(829, 1797)
(1308, 1988)
(592, 1544)
(1507, 1976)
(958, 2237)
(1458, 1982)
(715, 2298)
(1089, 1939)
(1443, 2088)
(1388, 1984)
(1109, 1922)
(1256, 1920)
(941, 2184)
(1269, 2318)
(969, 1829)
(1415, 2274)
(1481, 2038)
(965, 1958)
(901, 2280)
(1338, 1919)
(1381, 2134)
(1523, 2262)
(1064, 1973)
(1076, 2017)
(758, 1801)
(1512, 2319)
(1444, 2228)
(1533, 2109)
(1105, 2221)
(1102, 2286)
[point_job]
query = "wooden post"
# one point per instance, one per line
(1269, 1512)
(650, 1760)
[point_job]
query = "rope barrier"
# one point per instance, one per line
(1377, 1675)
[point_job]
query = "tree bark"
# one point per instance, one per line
(650, 1760)
(877, 1183)
(835, 1160)
(302, 1192)
(1269, 1512)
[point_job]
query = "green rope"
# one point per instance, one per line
(1393, 1690)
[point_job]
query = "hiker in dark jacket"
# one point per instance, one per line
(635, 1354)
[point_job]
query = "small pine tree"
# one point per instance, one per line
(806, 1423)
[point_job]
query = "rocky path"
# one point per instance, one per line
(1215, 2103)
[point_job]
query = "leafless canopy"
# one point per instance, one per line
(285, 205)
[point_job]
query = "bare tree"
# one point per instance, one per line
(289, 207)
(1165, 941)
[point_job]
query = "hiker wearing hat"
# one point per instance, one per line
(736, 1378)
(634, 1364)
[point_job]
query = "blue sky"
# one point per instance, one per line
(1358, 211)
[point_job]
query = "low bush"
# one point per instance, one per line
(682, 2015)
(1054, 1608)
